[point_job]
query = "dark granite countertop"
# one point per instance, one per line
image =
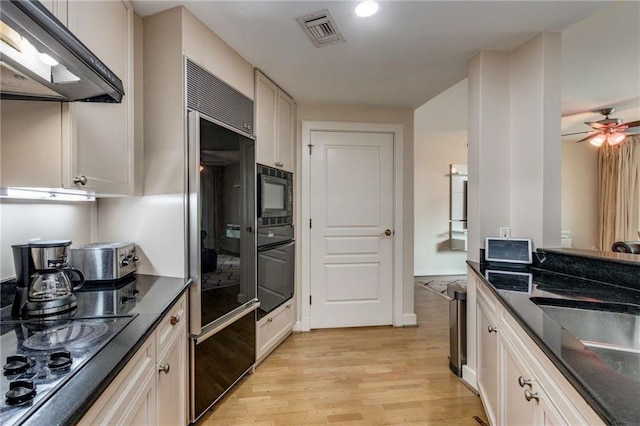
(155, 297)
(568, 317)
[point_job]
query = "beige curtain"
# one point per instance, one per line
(619, 192)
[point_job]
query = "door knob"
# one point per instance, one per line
(164, 368)
(387, 232)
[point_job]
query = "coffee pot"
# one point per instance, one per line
(44, 280)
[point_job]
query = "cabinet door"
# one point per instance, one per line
(100, 135)
(517, 410)
(172, 381)
(131, 397)
(286, 131)
(488, 361)
(31, 154)
(266, 108)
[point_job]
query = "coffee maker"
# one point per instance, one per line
(44, 280)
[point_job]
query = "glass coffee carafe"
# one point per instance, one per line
(45, 281)
(57, 284)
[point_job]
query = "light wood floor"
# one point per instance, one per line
(357, 376)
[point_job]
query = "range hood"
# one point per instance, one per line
(40, 59)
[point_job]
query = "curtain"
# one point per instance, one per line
(619, 192)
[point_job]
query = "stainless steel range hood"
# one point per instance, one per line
(40, 59)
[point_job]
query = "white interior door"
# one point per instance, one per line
(351, 236)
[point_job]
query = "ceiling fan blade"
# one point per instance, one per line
(631, 124)
(595, 124)
(588, 137)
(577, 133)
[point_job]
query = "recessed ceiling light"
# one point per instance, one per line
(366, 9)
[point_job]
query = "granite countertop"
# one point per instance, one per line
(564, 315)
(156, 295)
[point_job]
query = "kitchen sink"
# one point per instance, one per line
(610, 330)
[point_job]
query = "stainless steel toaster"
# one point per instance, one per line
(105, 261)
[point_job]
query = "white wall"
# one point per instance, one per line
(580, 194)
(377, 114)
(489, 153)
(24, 220)
(440, 139)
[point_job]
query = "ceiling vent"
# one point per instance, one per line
(321, 28)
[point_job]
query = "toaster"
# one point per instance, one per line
(105, 261)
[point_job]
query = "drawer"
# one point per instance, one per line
(273, 328)
(171, 324)
(487, 299)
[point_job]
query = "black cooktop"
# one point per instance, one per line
(39, 356)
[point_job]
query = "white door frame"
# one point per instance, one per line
(304, 322)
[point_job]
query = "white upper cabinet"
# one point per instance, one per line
(275, 125)
(101, 134)
(78, 145)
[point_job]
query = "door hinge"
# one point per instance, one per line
(309, 299)
(310, 223)
(310, 148)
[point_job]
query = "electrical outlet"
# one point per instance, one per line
(505, 232)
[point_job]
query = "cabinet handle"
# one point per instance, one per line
(82, 180)
(174, 319)
(492, 329)
(289, 306)
(270, 320)
(524, 382)
(164, 368)
(528, 395)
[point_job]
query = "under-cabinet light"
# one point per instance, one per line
(57, 194)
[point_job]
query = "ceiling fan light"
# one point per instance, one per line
(615, 138)
(598, 139)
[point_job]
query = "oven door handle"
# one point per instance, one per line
(276, 245)
(224, 322)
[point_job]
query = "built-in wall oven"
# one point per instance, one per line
(276, 261)
(276, 245)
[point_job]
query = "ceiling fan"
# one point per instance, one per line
(611, 130)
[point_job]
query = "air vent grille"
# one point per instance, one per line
(321, 28)
(213, 97)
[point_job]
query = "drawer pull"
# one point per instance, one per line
(82, 180)
(528, 395)
(174, 319)
(492, 329)
(164, 368)
(524, 382)
(289, 306)
(270, 320)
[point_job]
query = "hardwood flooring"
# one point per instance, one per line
(357, 376)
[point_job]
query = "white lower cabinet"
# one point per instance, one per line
(518, 383)
(151, 389)
(487, 357)
(272, 329)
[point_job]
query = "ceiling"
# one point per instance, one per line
(404, 56)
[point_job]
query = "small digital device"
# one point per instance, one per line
(517, 282)
(508, 250)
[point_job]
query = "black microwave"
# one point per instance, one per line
(275, 196)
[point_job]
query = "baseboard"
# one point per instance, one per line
(469, 377)
(406, 320)
(439, 272)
